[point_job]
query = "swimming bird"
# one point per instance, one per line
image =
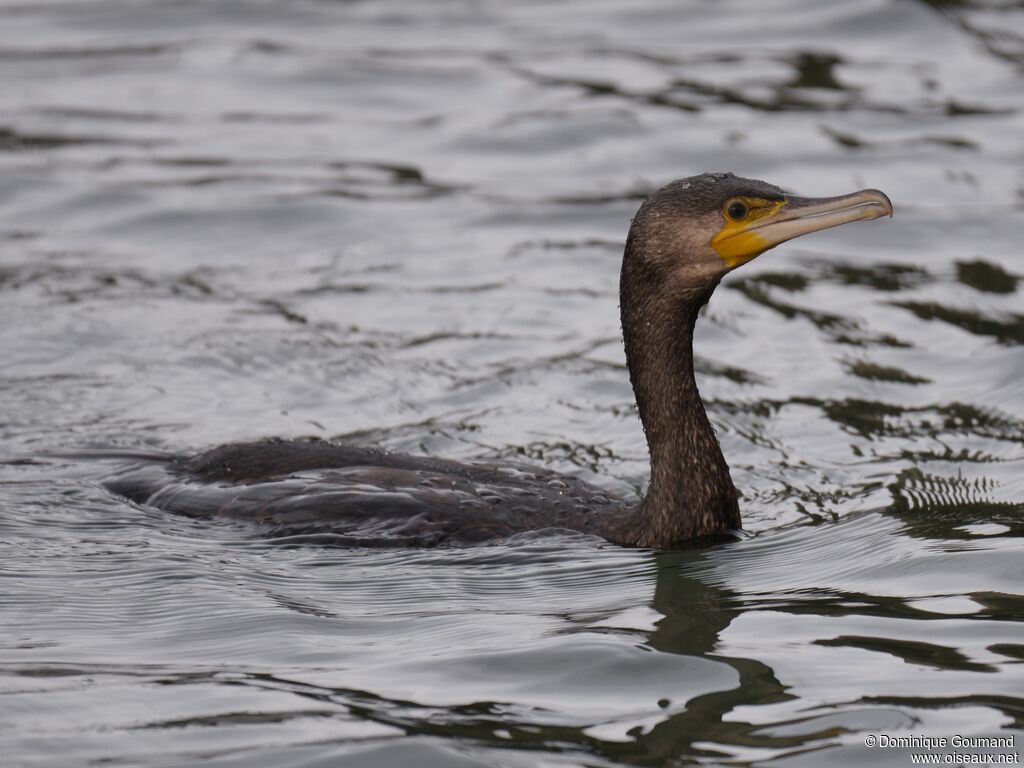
(683, 240)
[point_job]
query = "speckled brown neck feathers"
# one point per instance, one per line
(690, 494)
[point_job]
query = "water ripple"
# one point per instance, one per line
(401, 223)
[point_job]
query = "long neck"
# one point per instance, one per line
(690, 493)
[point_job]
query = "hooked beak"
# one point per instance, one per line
(739, 242)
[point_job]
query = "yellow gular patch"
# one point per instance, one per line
(737, 242)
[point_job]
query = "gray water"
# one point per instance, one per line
(400, 223)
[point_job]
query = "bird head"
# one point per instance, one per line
(690, 233)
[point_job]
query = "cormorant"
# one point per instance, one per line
(683, 240)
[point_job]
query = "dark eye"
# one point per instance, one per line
(737, 210)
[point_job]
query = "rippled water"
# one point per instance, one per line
(401, 223)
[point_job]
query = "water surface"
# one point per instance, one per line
(401, 223)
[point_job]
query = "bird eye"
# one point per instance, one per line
(736, 210)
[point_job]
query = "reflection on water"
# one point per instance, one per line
(401, 223)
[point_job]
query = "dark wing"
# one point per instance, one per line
(366, 496)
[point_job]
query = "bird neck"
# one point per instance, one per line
(690, 494)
